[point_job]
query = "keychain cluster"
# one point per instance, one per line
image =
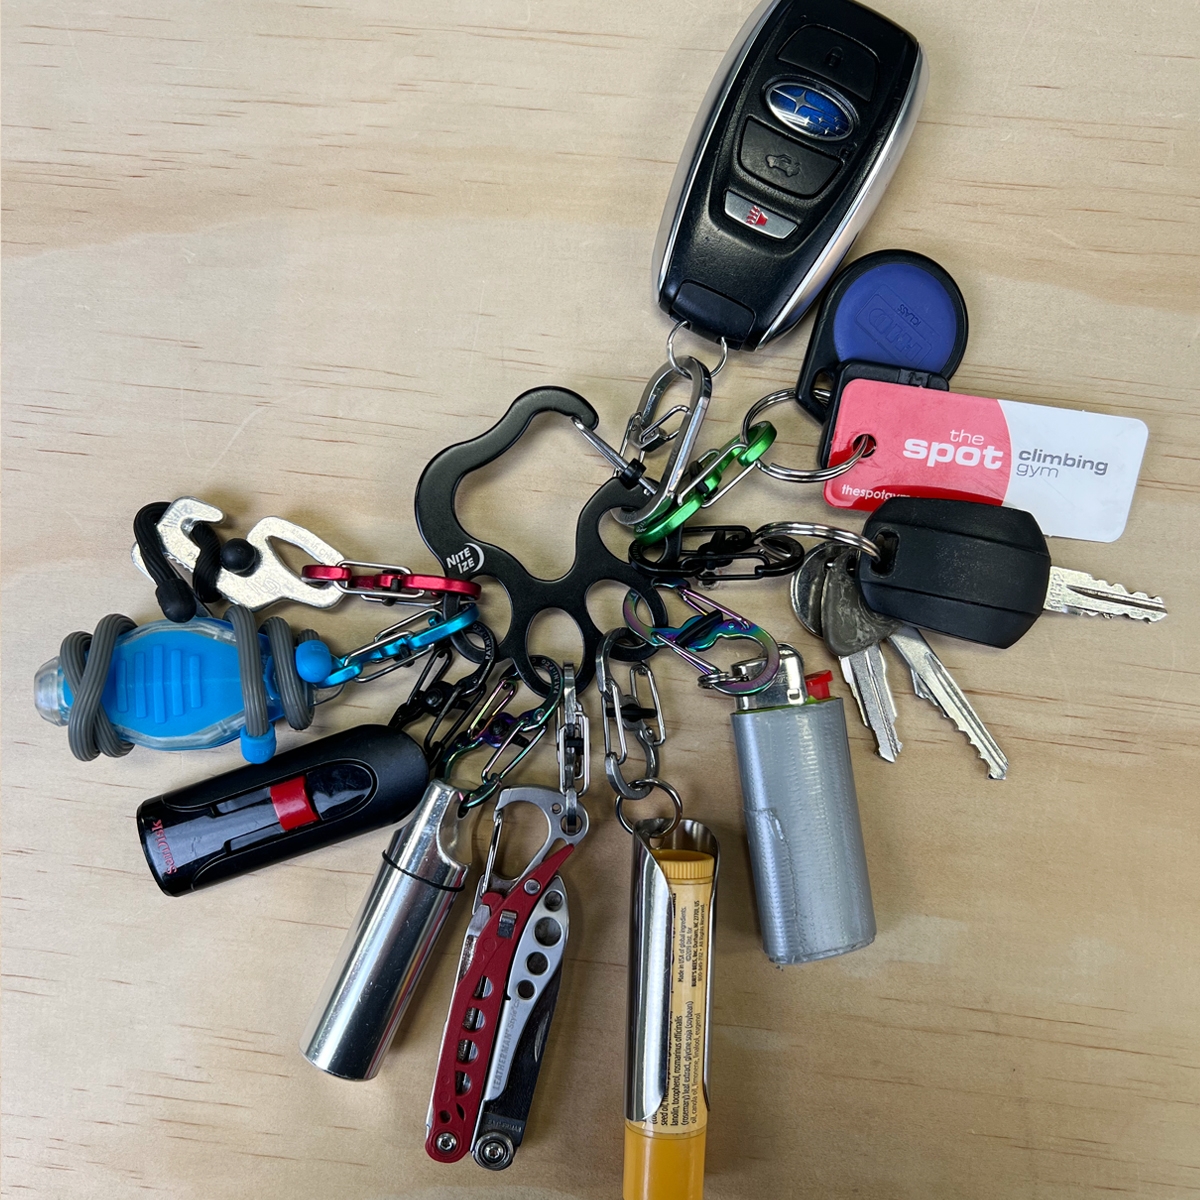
(791, 156)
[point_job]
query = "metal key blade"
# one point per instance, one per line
(933, 682)
(1079, 593)
(866, 673)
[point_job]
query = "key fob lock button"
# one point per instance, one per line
(834, 57)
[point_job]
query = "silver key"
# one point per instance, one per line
(1081, 594)
(866, 673)
(932, 681)
(853, 632)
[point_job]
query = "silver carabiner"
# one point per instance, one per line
(683, 442)
(552, 806)
(625, 712)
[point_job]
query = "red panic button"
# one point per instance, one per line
(292, 805)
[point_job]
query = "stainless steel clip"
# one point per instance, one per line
(271, 580)
(683, 441)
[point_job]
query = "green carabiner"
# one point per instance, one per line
(705, 488)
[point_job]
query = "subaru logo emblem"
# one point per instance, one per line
(802, 107)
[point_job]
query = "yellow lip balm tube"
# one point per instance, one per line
(666, 1054)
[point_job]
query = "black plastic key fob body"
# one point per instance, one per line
(797, 138)
(895, 308)
(974, 571)
(311, 796)
(847, 372)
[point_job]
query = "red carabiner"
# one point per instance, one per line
(389, 583)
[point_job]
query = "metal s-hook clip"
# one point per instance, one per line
(269, 579)
(574, 744)
(712, 622)
(723, 547)
(626, 713)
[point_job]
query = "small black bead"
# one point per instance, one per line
(238, 556)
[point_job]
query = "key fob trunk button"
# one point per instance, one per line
(783, 162)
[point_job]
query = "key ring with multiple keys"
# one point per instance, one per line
(863, 445)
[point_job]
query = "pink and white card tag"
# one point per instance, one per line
(1075, 471)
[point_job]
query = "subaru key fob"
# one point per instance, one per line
(798, 137)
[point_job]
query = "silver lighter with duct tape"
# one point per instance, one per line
(802, 822)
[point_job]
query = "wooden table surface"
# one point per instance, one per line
(276, 256)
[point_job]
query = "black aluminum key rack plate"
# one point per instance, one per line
(468, 557)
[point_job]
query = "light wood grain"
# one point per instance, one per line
(277, 256)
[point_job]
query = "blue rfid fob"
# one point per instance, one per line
(172, 687)
(892, 308)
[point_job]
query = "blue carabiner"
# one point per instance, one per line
(397, 646)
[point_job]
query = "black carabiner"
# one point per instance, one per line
(772, 554)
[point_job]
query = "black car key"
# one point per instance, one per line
(975, 571)
(314, 795)
(798, 136)
(979, 572)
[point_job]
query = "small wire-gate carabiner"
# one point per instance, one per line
(712, 622)
(626, 713)
(435, 696)
(704, 487)
(388, 585)
(493, 726)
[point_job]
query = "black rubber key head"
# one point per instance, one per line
(974, 571)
